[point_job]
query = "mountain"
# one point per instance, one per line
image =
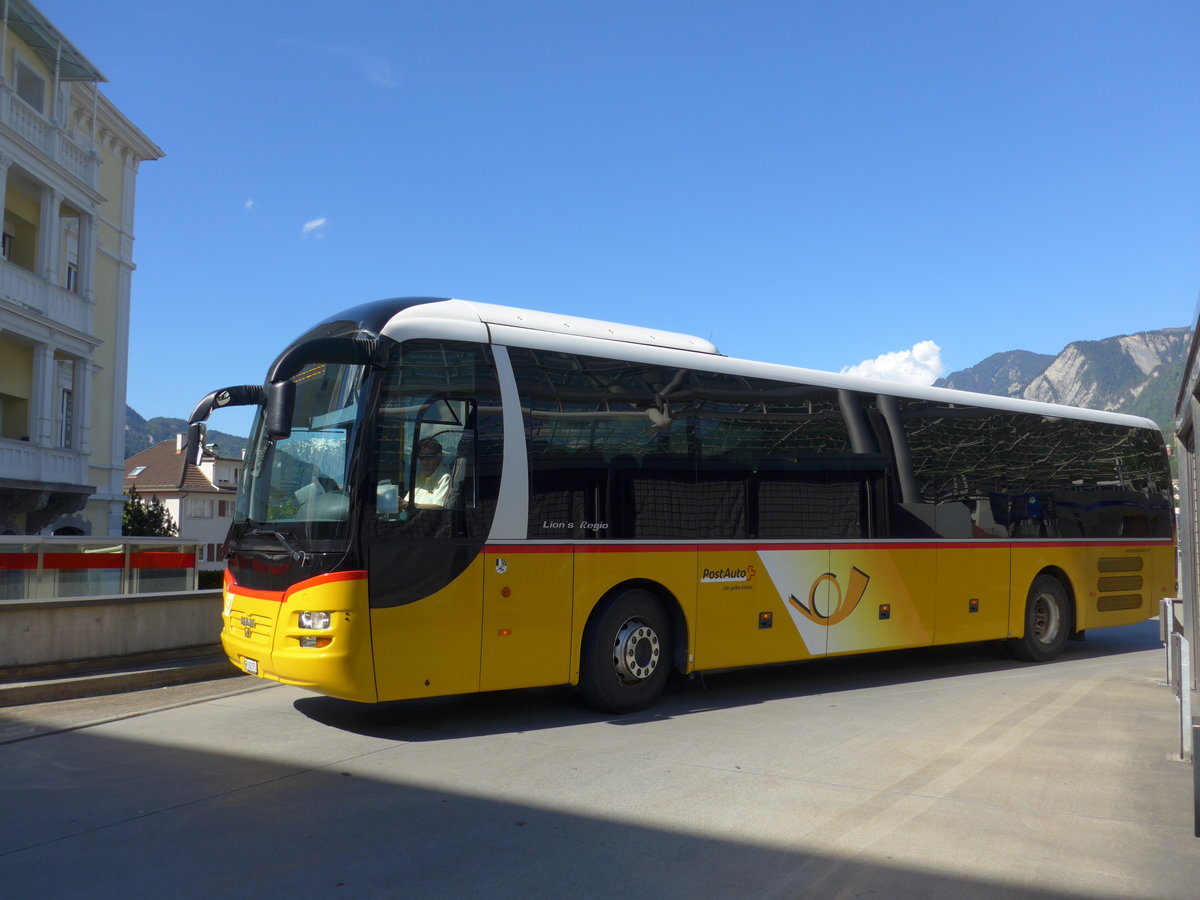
(142, 433)
(1131, 373)
(1005, 373)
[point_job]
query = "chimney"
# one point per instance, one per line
(180, 443)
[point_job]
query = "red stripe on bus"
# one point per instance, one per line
(282, 596)
(276, 596)
(635, 548)
(529, 548)
(587, 548)
(820, 546)
(939, 545)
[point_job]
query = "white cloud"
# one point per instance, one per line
(920, 365)
(248, 205)
(378, 72)
(315, 228)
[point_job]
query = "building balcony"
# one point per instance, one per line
(22, 461)
(49, 139)
(22, 288)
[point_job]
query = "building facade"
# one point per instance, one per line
(199, 498)
(68, 167)
(1187, 451)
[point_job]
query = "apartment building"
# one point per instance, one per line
(199, 498)
(68, 167)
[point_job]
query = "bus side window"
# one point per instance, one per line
(462, 480)
(444, 467)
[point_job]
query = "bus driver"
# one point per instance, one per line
(432, 487)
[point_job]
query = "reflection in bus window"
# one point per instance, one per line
(620, 449)
(302, 479)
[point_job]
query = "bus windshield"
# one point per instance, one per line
(298, 483)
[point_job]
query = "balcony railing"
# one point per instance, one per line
(28, 462)
(23, 288)
(50, 568)
(48, 138)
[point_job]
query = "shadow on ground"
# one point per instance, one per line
(555, 707)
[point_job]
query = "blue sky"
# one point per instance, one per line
(812, 183)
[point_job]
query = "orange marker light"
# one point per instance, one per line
(505, 632)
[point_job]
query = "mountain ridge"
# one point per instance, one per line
(142, 433)
(1130, 373)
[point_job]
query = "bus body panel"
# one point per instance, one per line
(247, 630)
(1117, 587)
(261, 635)
(430, 647)
(599, 568)
(1166, 576)
(894, 607)
(973, 594)
(1112, 583)
(743, 616)
(527, 616)
(1031, 559)
(1126, 584)
(516, 617)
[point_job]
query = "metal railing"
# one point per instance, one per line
(53, 568)
(1179, 675)
(1179, 678)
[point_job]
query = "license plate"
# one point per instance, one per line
(251, 666)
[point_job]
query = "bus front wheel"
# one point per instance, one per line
(626, 653)
(1047, 621)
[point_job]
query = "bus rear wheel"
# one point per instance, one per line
(1047, 621)
(626, 654)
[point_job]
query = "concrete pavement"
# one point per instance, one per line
(937, 773)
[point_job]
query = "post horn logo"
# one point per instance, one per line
(846, 603)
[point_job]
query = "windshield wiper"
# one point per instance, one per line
(301, 556)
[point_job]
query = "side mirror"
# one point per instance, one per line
(195, 442)
(281, 403)
(240, 395)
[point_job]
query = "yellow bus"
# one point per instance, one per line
(441, 497)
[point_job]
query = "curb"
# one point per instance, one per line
(113, 680)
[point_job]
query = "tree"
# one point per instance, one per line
(146, 518)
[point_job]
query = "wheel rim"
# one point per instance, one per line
(636, 651)
(1047, 618)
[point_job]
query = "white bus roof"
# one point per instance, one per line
(552, 323)
(508, 325)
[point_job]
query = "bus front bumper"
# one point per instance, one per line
(315, 636)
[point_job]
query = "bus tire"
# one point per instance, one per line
(1047, 621)
(626, 654)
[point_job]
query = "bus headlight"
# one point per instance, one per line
(315, 621)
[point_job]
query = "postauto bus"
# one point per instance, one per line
(442, 497)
